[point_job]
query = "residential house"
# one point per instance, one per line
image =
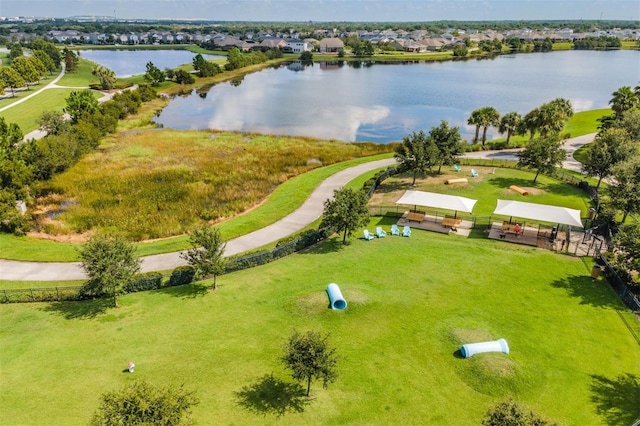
(331, 45)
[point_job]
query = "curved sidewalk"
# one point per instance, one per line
(309, 211)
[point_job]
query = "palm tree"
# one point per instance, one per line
(106, 76)
(530, 123)
(553, 116)
(623, 100)
(509, 124)
(475, 120)
(489, 116)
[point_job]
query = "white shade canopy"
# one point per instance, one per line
(442, 201)
(541, 212)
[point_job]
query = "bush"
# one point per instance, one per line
(142, 282)
(182, 275)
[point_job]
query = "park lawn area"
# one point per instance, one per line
(27, 114)
(585, 122)
(286, 198)
(82, 76)
(412, 303)
(486, 188)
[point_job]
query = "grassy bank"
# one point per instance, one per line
(412, 302)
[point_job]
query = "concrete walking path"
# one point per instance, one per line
(309, 211)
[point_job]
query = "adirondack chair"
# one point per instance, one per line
(456, 168)
(380, 233)
(395, 230)
(406, 231)
(368, 235)
(474, 173)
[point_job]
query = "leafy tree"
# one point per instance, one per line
(70, 60)
(417, 153)
(11, 79)
(509, 124)
(184, 77)
(209, 69)
(624, 99)
(625, 192)
(460, 50)
(509, 413)
(309, 357)
(448, 141)
(346, 212)
(15, 50)
(106, 77)
(141, 403)
(363, 48)
(207, 253)
(154, 75)
(543, 155)
(110, 264)
(53, 122)
(46, 60)
(306, 56)
(626, 250)
(49, 48)
(26, 68)
(609, 148)
(80, 103)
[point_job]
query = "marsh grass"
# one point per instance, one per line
(151, 184)
(412, 303)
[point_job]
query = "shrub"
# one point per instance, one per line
(182, 275)
(142, 282)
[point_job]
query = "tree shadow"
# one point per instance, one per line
(186, 291)
(330, 245)
(80, 310)
(392, 186)
(270, 395)
(591, 293)
(505, 183)
(618, 399)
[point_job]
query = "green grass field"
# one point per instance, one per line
(412, 303)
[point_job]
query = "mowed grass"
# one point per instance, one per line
(27, 114)
(412, 303)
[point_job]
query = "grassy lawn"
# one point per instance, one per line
(572, 358)
(27, 114)
(585, 122)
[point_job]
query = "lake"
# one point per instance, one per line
(126, 63)
(384, 102)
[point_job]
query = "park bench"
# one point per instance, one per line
(510, 228)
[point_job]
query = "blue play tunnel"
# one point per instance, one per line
(492, 346)
(336, 301)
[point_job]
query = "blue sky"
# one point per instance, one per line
(329, 10)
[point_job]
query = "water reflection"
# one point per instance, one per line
(369, 101)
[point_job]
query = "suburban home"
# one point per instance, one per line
(295, 45)
(270, 43)
(331, 45)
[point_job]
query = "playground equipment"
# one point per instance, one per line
(471, 349)
(336, 301)
(519, 190)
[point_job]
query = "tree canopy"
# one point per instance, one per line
(141, 403)
(110, 264)
(346, 212)
(417, 153)
(207, 253)
(310, 357)
(542, 155)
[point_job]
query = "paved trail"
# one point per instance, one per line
(303, 216)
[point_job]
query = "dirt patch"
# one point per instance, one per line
(62, 238)
(533, 191)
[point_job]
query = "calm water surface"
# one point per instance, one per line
(385, 102)
(126, 63)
